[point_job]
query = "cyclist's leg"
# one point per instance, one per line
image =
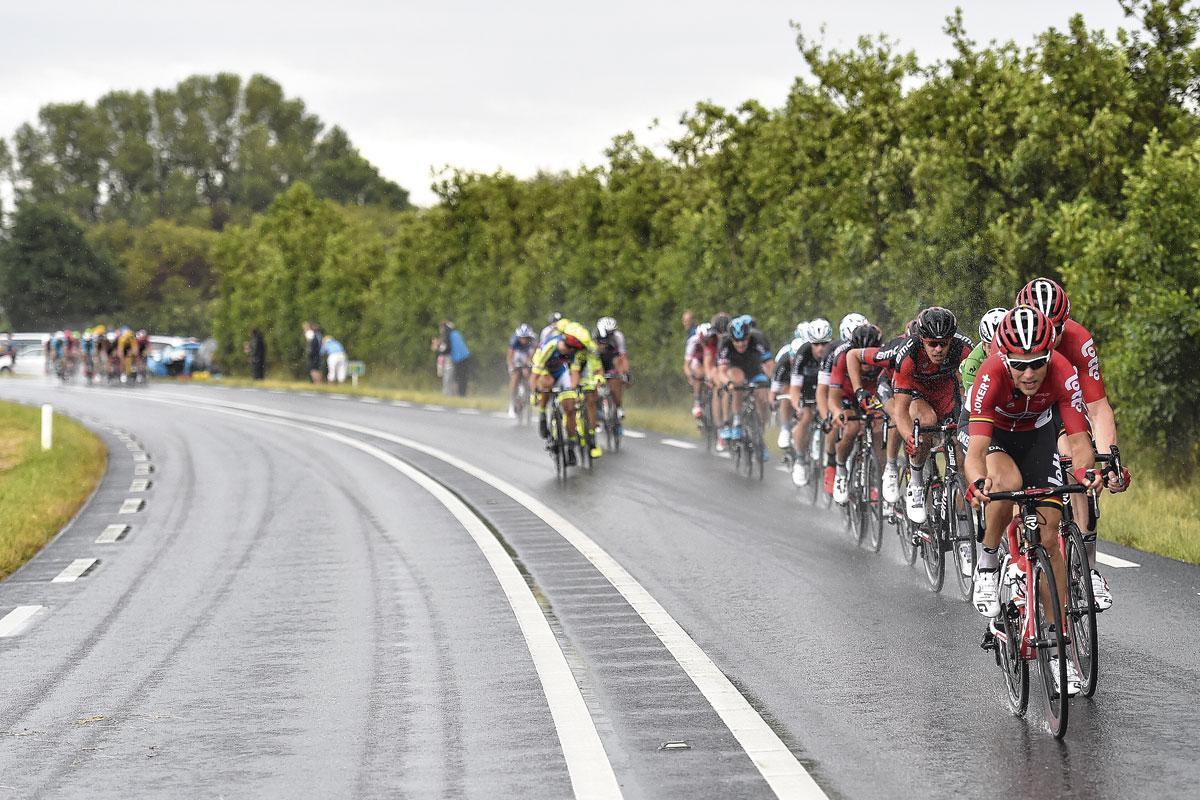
(739, 379)
(921, 410)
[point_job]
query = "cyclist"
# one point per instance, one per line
(701, 349)
(824, 410)
(743, 359)
(883, 357)
(1013, 444)
(1076, 343)
(925, 384)
(614, 359)
(142, 340)
(520, 353)
(781, 381)
(720, 328)
(970, 365)
(864, 336)
(806, 365)
(559, 364)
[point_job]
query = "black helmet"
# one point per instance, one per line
(936, 323)
(720, 323)
(866, 336)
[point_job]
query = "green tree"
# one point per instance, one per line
(49, 275)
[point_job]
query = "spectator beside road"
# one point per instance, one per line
(689, 323)
(256, 349)
(312, 337)
(445, 367)
(455, 346)
(335, 359)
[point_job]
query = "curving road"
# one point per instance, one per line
(327, 597)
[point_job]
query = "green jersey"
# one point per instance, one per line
(970, 366)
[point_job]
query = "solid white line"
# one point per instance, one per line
(679, 444)
(1113, 561)
(15, 620)
(591, 773)
(74, 570)
(775, 762)
(132, 505)
(112, 534)
(632, 434)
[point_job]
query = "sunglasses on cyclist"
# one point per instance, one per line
(1020, 365)
(936, 344)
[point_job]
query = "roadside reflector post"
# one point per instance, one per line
(47, 426)
(357, 370)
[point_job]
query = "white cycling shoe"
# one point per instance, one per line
(841, 488)
(799, 474)
(785, 438)
(914, 504)
(891, 484)
(986, 594)
(1101, 592)
(1074, 682)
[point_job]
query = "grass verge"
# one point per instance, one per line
(41, 490)
(1154, 515)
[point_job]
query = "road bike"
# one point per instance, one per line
(748, 449)
(949, 525)
(520, 399)
(817, 430)
(559, 443)
(788, 453)
(706, 422)
(606, 407)
(864, 505)
(1026, 629)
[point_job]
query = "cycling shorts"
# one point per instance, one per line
(1035, 453)
(943, 400)
(521, 359)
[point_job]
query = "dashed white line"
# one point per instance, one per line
(401, 404)
(632, 434)
(112, 533)
(133, 446)
(677, 443)
(142, 469)
(14, 621)
(433, 408)
(371, 400)
(1113, 561)
(781, 770)
(139, 485)
(132, 505)
(333, 396)
(470, 412)
(141, 458)
(500, 415)
(75, 570)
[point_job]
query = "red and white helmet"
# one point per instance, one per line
(1048, 297)
(1025, 329)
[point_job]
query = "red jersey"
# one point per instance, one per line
(916, 374)
(839, 378)
(997, 403)
(1075, 342)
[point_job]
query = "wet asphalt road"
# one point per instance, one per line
(288, 617)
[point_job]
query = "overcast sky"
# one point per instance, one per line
(516, 86)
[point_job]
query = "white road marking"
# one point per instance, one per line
(14, 621)
(112, 533)
(133, 446)
(140, 458)
(132, 505)
(139, 485)
(470, 412)
(723, 454)
(142, 469)
(679, 444)
(632, 434)
(333, 396)
(433, 408)
(500, 414)
(775, 762)
(276, 391)
(401, 404)
(1113, 561)
(74, 570)
(591, 773)
(371, 400)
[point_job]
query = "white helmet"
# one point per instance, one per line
(988, 323)
(797, 343)
(605, 326)
(849, 323)
(819, 331)
(801, 331)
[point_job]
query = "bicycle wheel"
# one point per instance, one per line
(613, 423)
(1008, 648)
(904, 531)
(850, 509)
(962, 542)
(1081, 610)
(558, 443)
(1051, 646)
(758, 447)
(872, 503)
(932, 554)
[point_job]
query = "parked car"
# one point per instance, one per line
(180, 357)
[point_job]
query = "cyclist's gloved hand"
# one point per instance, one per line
(863, 397)
(847, 403)
(1089, 478)
(977, 493)
(1118, 483)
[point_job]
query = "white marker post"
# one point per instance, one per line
(47, 426)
